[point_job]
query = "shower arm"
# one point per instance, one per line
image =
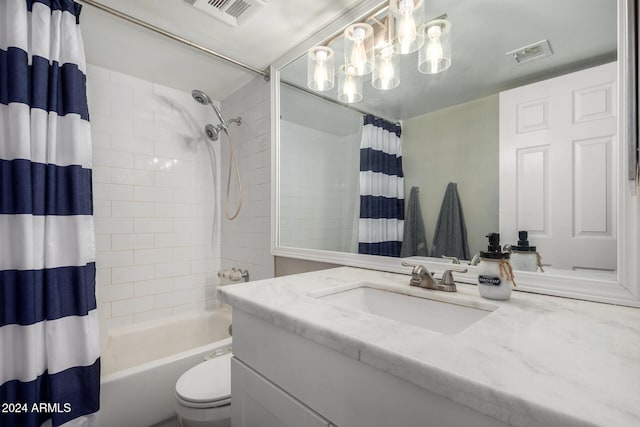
(237, 121)
(221, 126)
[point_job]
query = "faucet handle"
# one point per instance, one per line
(454, 260)
(420, 276)
(447, 276)
(417, 268)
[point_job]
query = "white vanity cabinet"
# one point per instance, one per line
(258, 402)
(280, 378)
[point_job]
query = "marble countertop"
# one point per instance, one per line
(534, 361)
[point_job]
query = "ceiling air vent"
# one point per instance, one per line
(231, 12)
(530, 52)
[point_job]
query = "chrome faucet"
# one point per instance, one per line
(454, 260)
(475, 260)
(422, 278)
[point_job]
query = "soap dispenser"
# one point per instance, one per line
(523, 256)
(495, 275)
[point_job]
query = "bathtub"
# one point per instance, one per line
(141, 364)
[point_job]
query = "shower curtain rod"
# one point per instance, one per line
(327, 98)
(264, 73)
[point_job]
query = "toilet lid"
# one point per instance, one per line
(208, 381)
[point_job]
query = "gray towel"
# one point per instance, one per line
(450, 237)
(414, 241)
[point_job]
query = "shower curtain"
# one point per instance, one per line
(49, 339)
(381, 221)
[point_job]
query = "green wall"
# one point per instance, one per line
(457, 144)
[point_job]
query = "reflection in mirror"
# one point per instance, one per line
(530, 145)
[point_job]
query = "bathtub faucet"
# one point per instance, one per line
(235, 275)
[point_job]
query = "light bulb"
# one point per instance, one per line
(349, 89)
(359, 52)
(320, 74)
(387, 72)
(407, 32)
(434, 49)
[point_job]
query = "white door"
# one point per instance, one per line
(256, 402)
(558, 147)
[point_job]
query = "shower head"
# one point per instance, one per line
(200, 97)
(212, 132)
(203, 98)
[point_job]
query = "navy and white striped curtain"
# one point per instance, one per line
(381, 188)
(49, 338)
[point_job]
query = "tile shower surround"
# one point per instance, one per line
(319, 188)
(246, 241)
(156, 253)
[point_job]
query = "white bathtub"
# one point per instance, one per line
(141, 364)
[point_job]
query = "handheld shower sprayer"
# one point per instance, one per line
(212, 133)
(210, 130)
(203, 98)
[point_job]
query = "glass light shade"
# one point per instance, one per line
(349, 85)
(387, 69)
(408, 16)
(435, 55)
(320, 68)
(358, 48)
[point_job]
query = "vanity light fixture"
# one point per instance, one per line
(320, 69)
(400, 31)
(408, 17)
(358, 48)
(349, 85)
(435, 55)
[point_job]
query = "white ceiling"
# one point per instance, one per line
(119, 45)
(580, 32)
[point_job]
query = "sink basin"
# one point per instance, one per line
(417, 310)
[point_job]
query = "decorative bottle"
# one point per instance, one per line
(495, 275)
(523, 256)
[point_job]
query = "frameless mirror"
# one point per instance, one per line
(489, 123)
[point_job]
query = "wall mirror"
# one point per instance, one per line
(485, 124)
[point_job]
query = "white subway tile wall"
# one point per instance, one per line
(319, 188)
(158, 250)
(246, 240)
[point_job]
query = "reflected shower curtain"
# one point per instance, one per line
(49, 339)
(381, 188)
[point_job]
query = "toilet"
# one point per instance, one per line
(203, 394)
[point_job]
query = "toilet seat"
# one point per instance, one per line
(206, 385)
